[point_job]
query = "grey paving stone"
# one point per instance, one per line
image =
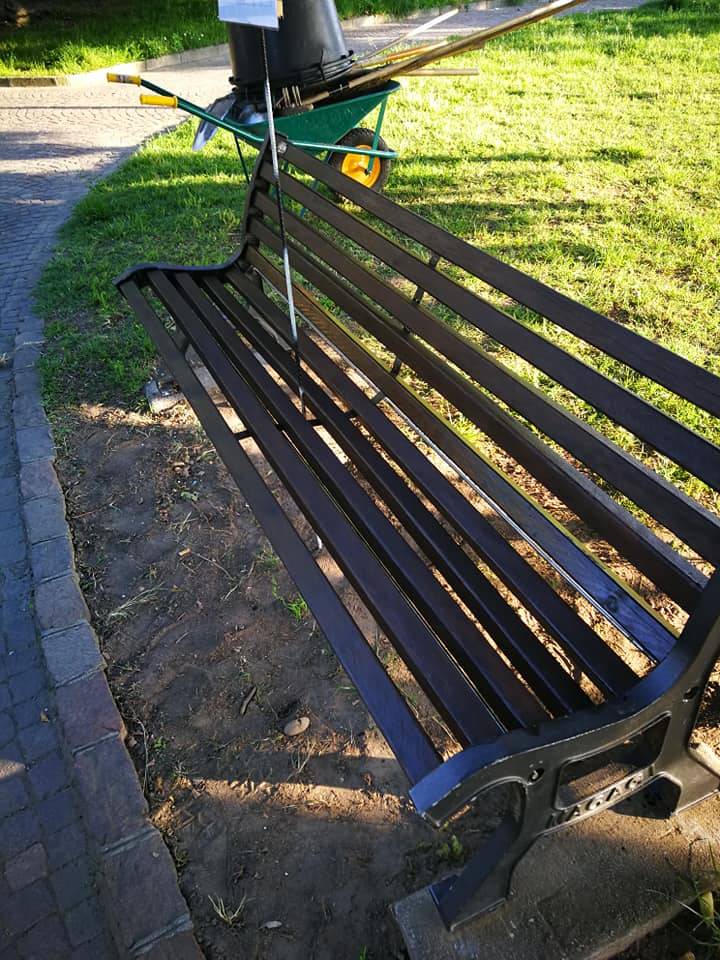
(27, 684)
(59, 604)
(115, 805)
(19, 628)
(7, 729)
(71, 653)
(30, 336)
(25, 357)
(34, 443)
(28, 412)
(14, 796)
(10, 520)
(5, 700)
(144, 873)
(38, 479)
(31, 711)
(87, 711)
(18, 832)
(9, 493)
(46, 941)
(44, 519)
(26, 867)
(16, 590)
(58, 811)
(83, 923)
(48, 776)
(73, 883)
(97, 949)
(17, 661)
(26, 907)
(38, 740)
(66, 845)
(182, 946)
(12, 549)
(27, 383)
(52, 558)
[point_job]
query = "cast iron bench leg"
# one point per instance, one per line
(485, 881)
(693, 776)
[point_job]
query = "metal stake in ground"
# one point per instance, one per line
(281, 221)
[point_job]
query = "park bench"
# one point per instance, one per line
(481, 520)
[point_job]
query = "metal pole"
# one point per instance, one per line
(281, 222)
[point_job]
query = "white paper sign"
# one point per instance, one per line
(256, 13)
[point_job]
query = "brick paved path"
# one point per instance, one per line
(48, 904)
(53, 143)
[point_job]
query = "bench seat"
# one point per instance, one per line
(416, 425)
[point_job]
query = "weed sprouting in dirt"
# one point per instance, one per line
(229, 915)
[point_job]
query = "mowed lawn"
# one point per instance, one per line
(73, 36)
(585, 153)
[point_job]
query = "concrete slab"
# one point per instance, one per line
(586, 893)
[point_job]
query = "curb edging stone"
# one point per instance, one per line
(130, 852)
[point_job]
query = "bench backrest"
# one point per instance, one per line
(541, 403)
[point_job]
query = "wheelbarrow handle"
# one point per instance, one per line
(154, 100)
(123, 78)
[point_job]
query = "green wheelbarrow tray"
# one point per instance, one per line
(327, 124)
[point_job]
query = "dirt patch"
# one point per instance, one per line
(210, 654)
(282, 844)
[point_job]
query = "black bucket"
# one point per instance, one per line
(307, 52)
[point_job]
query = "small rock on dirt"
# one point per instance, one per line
(297, 726)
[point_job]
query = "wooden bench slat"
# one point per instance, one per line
(496, 682)
(603, 665)
(664, 567)
(683, 516)
(452, 694)
(547, 679)
(681, 376)
(671, 438)
(636, 620)
(656, 559)
(408, 741)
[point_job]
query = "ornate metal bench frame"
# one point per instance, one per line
(566, 756)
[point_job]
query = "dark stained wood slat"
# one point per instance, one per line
(647, 357)
(396, 721)
(664, 567)
(551, 683)
(636, 620)
(453, 695)
(602, 664)
(684, 516)
(648, 423)
(680, 514)
(497, 683)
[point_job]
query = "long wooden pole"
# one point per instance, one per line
(373, 77)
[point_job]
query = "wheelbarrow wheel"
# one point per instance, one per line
(355, 165)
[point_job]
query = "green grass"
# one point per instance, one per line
(585, 153)
(80, 35)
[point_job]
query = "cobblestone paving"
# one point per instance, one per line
(49, 907)
(54, 142)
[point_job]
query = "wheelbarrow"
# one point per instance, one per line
(329, 130)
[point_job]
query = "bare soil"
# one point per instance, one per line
(210, 653)
(285, 847)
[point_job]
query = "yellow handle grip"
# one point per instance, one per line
(123, 78)
(155, 100)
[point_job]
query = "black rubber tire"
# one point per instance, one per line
(359, 137)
